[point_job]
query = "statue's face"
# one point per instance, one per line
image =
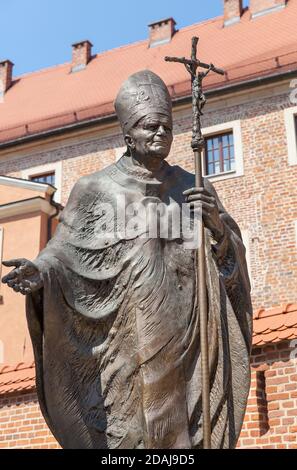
(151, 137)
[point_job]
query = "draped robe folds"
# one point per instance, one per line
(115, 328)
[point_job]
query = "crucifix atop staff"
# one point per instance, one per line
(198, 103)
(198, 98)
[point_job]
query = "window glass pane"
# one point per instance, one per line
(227, 166)
(210, 156)
(217, 167)
(209, 144)
(233, 165)
(226, 152)
(216, 142)
(232, 152)
(216, 155)
(225, 140)
(47, 178)
(210, 169)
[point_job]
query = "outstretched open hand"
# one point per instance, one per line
(25, 278)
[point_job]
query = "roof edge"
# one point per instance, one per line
(27, 184)
(27, 206)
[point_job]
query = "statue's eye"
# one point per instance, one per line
(152, 127)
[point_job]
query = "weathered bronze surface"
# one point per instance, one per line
(114, 314)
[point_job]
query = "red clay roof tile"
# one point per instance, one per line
(55, 97)
(17, 378)
(275, 324)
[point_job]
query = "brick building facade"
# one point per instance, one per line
(255, 105)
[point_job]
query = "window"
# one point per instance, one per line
(48, 178)
(223, 152)
(219, 154)
(290, 115)
(49, 173)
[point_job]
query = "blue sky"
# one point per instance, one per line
(35, 34)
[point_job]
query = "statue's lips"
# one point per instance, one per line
(163, 143)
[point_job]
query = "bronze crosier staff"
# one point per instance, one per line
(197, 144)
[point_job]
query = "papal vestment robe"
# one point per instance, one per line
(115, 328)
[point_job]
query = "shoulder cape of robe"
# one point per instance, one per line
(115, 329)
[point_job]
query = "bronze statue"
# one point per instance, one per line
(112, 305)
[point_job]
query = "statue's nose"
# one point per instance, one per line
(161, 130)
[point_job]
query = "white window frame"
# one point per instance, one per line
(245, 233)
(47, 168)
(235, 128)
(289, 116)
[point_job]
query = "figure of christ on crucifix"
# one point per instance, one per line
(198, 97)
